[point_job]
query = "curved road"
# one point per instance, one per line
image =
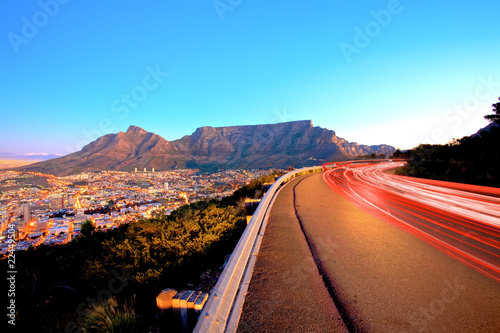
(460, 220)
(379, 277)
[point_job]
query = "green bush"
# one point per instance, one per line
(163, 251)
(471, 159)
(109, 318)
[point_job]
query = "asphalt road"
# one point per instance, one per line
(287, 293)
(458, 219)
(380, 277)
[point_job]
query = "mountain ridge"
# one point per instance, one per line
(281, 145)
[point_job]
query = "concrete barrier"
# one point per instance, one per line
(223, 308)
(179, 311)
(164, 299)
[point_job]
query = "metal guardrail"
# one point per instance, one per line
(223, 308)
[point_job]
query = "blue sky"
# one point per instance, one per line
(396, 72)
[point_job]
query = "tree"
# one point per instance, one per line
(496, 116)
(87, 228)
(399, 154)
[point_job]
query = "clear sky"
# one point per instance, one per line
(395, 72)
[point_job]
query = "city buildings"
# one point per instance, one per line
(54, 214)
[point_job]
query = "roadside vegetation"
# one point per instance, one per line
(471, 159)
(58, 288)
(370, 156)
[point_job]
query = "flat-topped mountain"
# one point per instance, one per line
(282, 145)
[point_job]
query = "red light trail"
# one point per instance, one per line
(461, 220)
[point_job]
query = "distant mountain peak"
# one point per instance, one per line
(136, 129)
(281, 145)
(305, 123)
(485, 129)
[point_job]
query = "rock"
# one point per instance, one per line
(282, 145)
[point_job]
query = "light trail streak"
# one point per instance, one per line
(461, 220)
(77, 196)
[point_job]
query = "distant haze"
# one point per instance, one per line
(28, 157)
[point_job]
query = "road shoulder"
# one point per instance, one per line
(287, 293)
